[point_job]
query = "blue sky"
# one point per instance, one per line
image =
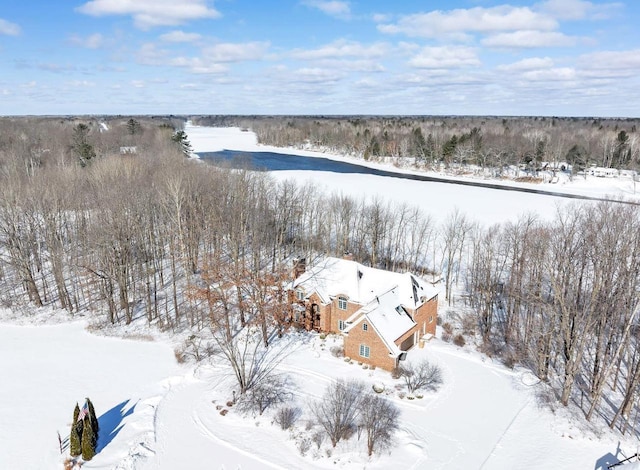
(482, 57)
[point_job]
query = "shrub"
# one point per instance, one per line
(88, 439)
(180, 356)
(446, 337)
(447, 327)
(93, 419)
(76, 434)
(304, 445)
(318, 438)
(458, 340)
(337, 351)
(378, 388)
(271, 391)
(469, 324)
(287, 416)
(510, 361)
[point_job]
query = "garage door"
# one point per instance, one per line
(407, 343)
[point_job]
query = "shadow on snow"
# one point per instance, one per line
(111, 423)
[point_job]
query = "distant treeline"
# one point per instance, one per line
(484, 141)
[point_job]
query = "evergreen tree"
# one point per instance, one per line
(89, 440)
(180, 137)
(94, 419)
(133, 126)
(76, 434)
(81, 147)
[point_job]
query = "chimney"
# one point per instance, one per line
(348, 256)
(299, 267)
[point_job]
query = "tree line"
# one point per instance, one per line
(563, 298)
(488, 142)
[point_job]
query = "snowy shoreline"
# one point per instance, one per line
(212, 139)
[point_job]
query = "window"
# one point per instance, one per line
(341, 325)
(365, 327)
(364, 350)
(342, 303)
(431, 319)
(300, 294)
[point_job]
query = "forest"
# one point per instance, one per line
(105, 216)
(489, 142)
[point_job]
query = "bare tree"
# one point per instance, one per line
(271, 391)
(380, 419)
(250, 360)
(421, 376)
(338, 408)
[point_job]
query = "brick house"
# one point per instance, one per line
(381, 314)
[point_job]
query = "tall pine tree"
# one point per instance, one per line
(76, 434)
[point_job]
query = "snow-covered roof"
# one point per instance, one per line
(386, 316)
(361, 284)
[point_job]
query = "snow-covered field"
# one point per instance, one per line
(157, 415)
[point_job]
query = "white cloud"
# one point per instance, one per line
(445, 57)
(341, 49)
(150, 13)
(578, 9)
(335, 8)
(381, 17)
(551, 75)
(93, 41)
(199, 65)
(236, 52)
(180, 36)
(607, 64)
(532, 63)
(456, 23)
(315, 75)
(213, 59)
(9, 29)
(529, 39)
(80, 84)
(149, 54)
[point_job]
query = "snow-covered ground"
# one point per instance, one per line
(157, 415)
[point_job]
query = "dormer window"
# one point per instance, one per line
(342, 303)
(299, 294)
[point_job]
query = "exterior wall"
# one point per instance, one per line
(426, 316)
(379, 354)
(337, 314)
(330, 314)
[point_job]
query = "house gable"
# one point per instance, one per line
(341, 296)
